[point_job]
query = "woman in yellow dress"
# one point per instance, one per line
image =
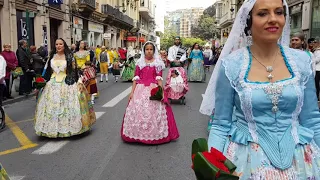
(82, 55)
(64, 108)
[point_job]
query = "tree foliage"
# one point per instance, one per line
(206, 27)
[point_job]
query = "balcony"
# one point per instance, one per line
(145, 10)
(87, 6)
(116, 17)
(226, 19)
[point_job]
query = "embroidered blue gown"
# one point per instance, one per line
(196, 69)
(276, 140)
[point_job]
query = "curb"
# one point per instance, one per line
(18, 99)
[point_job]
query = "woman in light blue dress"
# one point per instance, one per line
(266, 116)
(196, 69)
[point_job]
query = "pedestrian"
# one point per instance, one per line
(148, 121)
(43, 51)
(37, 61)
(122, 53)
(104, 63)
(81, 55)
(24, 62)
(90, 81)
(196, 69)
(12, 63)
(208, 57)
(116, 68)
(177, 53)
(266, 117)
(64, 108)
(3, 66)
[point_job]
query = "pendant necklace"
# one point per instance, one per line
(272, 90)
(269, 69)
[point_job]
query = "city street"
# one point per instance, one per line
(101, 154)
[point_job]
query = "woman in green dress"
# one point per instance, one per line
(130, 66)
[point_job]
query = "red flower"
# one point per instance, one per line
(40, 80)
(154, 91)
(216, 158)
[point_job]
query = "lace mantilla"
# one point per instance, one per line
(237, 39)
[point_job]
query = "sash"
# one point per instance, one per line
(181, 52)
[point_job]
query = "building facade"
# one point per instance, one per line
(33, 21)
(182, 20)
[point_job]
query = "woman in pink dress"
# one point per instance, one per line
(148, 121)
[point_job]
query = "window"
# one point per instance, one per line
(315, 25)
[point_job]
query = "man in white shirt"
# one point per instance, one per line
(3, 66)
(177, 54)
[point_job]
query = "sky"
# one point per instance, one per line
(184, 4)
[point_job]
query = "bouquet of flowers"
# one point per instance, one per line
(211, 165)
(17, 72)
(40, 82)
(156, 93)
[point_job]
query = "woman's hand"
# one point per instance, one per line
(130, 96)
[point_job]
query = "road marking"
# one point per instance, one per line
(18, 122)
(21, 137)
(50, 147)
(99, 114)
(118, 98)
(16, 177)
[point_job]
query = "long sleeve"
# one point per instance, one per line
(171, 54)
(223, 112)
(109, 61)
(21, 58)
(191, 55)
(309, 116)
(183, 57)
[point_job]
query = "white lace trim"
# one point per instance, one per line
(58, 65)
(159, 78)
(156, 63)
(136, 78)
(82, 54)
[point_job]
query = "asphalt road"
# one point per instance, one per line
(101, 154)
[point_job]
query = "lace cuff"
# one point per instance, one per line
(136, 78)
(159, 78)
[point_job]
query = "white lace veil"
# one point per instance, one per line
(157, 60)
(236, 40)
(156, 55)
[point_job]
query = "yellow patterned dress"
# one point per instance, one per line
(81, 58)
(3, 173)
(63, 110)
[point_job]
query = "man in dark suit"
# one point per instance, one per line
(26, 65)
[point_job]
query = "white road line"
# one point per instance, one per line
(50, 147)
(118, 98)
(16, 177)
(99, 114)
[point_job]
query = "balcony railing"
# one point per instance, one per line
(91, 3)
(107, 9)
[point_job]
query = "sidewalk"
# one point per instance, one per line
(15, 94)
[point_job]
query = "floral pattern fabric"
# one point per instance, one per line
(63, 110)
(253, 163)
(196, 69)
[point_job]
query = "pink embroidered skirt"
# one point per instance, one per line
(146, 121)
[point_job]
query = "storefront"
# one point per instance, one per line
(315, 25)
(95, 35)
(296, 17)
(1, 4)
(77, 29)
(22, 27)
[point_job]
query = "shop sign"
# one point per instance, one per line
(107, 36)
(77, 23)
(94, 27)
(22, 28)
(45, 36)
(131, 38)
(142, 39)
